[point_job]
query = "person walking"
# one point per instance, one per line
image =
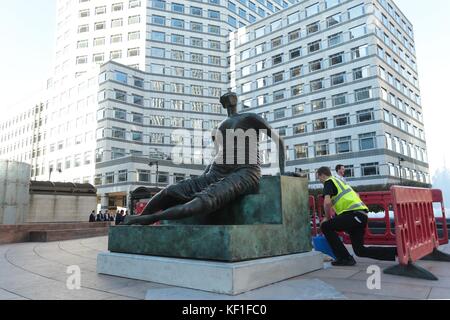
(92, 216)
(351, 217)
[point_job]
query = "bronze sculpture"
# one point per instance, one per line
(234, 172)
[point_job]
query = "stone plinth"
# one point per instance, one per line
(217, 277)
(274, 222)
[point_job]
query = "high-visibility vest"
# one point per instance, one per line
(346, 199)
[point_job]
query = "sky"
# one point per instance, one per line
(28, 28)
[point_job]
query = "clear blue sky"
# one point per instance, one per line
(27, 28)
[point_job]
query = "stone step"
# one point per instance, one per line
(21, 233)
(70, 234)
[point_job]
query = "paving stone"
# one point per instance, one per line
(439, 294)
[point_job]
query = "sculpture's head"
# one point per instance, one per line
(229, 101)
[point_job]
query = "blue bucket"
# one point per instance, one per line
(321, 244)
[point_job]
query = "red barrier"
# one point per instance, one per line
(313, 212)
(415, 224)
(439, 198)
(384, 201)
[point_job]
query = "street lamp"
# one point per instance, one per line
(155, 163)
(400, 160)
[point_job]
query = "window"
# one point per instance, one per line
(296, 71)
(313, 28)
(120, 95)
(120, 114)
(279, 113)
(312, 10)
(100, 25)
(116, 38)
(134, 19)
(338, 79)
(212, 14)
(298, 109)
(358, 31)
(367, 141)
(134, 35)
(277, 59)
(139, 100)
(176, 7)
(335, 39)
(359, 52)
(277, 42)
(370, 169)
(295, 53)
(314, 46)
(137, 118)
(117, 7)
(356, 11)
(320, 124)
(277, 77)
(134, 52)
(363, 94)
(294, 35)
(343, 145)
(300, 128)
(333, 20)
(118, 133)
(321, 148)
(301, 151)
(123, 176)
(365, 115)
(160, 20)
(360, 73)
(197, 27)
(143, 175)
(297, 90)
(137, 136)
(318, 104)
(336, 58)
(315, 65)
(316, 84)
(342, 120)
(339, 99)
(196, 11)
(278, 95)
(177, 23)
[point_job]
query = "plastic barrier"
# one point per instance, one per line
(313, 212)
(383, 201)
(439, 198)
(416, 231)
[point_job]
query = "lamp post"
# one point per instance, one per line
(155, 163)
(400, 160)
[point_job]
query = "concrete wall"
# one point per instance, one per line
(60, 208)
(14, 195)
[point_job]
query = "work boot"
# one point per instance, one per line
(347, 262)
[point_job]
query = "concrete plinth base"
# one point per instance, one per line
(298, 289)
(216, 277)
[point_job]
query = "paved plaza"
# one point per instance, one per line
(38, 271)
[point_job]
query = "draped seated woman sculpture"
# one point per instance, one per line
(235, 171)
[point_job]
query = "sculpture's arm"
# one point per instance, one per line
(273, 134)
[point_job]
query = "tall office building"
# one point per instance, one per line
(133, 80)
(339, 80)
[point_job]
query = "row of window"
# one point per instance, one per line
(314, 85)
(160, 86)
(101, 41)
(100, 57)
(406, 148)
(346, 144)
(115, 23)
(312, 28)
(182, 24)
(145, 176)
(403, 125)
(115, 7)
(182, 40)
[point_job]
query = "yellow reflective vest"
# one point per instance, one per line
(346, 199)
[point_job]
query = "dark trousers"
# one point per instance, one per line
(354, 224)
